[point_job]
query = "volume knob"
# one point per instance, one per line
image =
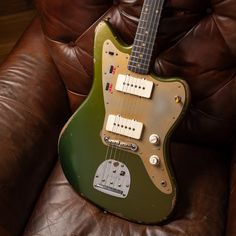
(154, 139)
(154, 160)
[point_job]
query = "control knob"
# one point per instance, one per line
(154, 160)
(154, 139)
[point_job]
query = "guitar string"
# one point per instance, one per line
(127, 82)
(144, 20)
(111, 148)
(132, 106)
(117, 121)
(153, 33)
(115, 157)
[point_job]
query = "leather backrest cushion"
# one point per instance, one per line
(196, 41)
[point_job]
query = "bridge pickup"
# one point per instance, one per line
(134, 86)
(126, 127)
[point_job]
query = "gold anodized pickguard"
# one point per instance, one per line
(158, 114)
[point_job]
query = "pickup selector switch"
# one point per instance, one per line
(154, 160)
(154, 139)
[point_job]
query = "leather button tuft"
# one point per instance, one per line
(71, 44)
(209, 10)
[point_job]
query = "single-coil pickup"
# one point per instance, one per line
(134, 86)
(126, 127)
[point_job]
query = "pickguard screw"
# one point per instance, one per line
(163, 183)
(178, 99)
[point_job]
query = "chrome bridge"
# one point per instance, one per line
(122, 145)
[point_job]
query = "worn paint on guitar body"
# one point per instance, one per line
(82, 148)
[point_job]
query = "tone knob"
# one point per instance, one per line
(154, 160)
(154, 139)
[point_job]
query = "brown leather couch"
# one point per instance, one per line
(50, 72)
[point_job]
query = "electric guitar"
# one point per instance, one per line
(114, 149)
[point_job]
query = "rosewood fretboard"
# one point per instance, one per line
(145, 37)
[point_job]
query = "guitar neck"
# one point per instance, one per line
(145, 37)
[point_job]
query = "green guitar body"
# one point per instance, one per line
(82, 149)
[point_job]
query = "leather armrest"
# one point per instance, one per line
(33, 108)
(231, 221)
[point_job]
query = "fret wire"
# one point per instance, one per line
(148, 51)
(149, 19)
(146, 37)
(138, 59)
(144, 64)
(135, 67)
(141, 60)
(143, 51)
(150, 39)
(139, 68)
(153, 10)
(140, 46)
(143, 37)
(142, 43)
(138, 33)
(139, 40)
(136, 53)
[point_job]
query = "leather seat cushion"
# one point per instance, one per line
(202, 177)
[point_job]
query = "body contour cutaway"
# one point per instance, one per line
(89, 152)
